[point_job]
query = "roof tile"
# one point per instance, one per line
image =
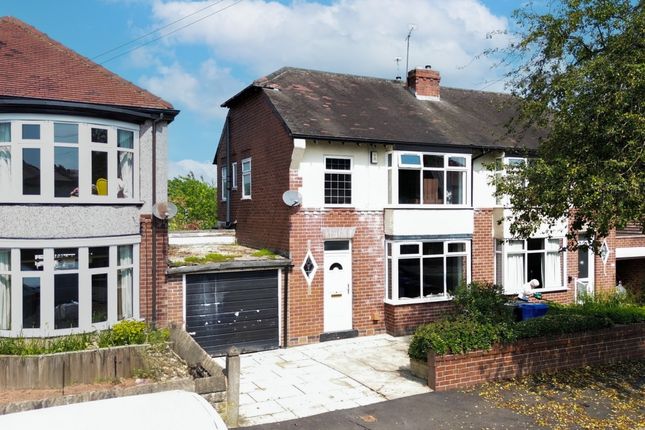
(32, 65)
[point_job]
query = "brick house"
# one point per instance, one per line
(82, 162)
(396, 206)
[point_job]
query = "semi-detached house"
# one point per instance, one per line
(82, 162)
(397, 206)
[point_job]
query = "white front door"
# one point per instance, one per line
(338, 286)
(585, 281)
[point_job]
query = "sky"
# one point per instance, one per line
(207, 51)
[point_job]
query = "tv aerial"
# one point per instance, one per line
(292, 198)
(164, 210)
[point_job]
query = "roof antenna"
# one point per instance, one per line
(407, 52)
(398, 70)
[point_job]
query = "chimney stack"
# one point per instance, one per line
(424, 83)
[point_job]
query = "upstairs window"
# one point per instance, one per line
(338, 181)
(51, 161)
(432, 179)
(246, 178)
(224, 175)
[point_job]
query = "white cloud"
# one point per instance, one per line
(201, 92)
(201, 169)
(352, 36)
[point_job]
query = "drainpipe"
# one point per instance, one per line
(285, 309)
(154, 222)
(229, 174)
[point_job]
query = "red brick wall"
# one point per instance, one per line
(306, 312)
(424, 82)
(536, 355)
(145, 266)
(403, 319)
(170, 301)
(256, 132)
(483, 247)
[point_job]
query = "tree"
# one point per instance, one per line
(196, 202)
(578, 70)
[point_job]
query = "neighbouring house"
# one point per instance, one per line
(396, 205)
(82, 162)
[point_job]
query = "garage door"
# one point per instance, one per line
(233, 309)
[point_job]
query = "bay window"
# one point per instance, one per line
(423, 271)
(58, 290)
(60, 160)
(520, 261)
(429, 178)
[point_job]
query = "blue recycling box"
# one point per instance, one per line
(532, 310)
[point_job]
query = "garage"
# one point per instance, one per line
(238, 308)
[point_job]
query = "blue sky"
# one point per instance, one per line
(200, 66)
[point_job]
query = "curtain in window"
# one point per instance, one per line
(553, 270)
(124, 280)
(125, 185)
(5, 290)
(514, 273)
(5, 166)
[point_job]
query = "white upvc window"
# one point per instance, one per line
(425, 178)
(50, 159)
(501, 166)
(517, 262)
(246, 178)
(338, 181)
(425, 270)
(224, 181)
(67, 286)
(234, 176)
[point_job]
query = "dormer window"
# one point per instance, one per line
(54, 161)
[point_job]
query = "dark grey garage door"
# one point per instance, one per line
(233, 309)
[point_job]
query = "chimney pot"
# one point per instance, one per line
(424, 83)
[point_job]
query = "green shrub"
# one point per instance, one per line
(616, 308)
(483, 302)
(455, 337)
(128, 332)
(559, 323)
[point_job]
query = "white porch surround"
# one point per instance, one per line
(428, 222)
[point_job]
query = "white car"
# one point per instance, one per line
(169, 410)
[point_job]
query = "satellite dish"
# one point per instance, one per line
(164, 210)
(291, 198)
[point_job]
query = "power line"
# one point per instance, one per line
(155, 31)
(170, 32)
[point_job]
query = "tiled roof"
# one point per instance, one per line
(32, 65)
(316, 104)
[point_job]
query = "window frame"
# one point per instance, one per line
(399, 164)
(247, 176)
(47, 145)
(234, 175)
(501, 253)
(47, 274)
(224, 181)
(349, 172)
(393, 255)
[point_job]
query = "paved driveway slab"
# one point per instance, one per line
(307, 380)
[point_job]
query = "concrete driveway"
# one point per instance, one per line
(307, 380)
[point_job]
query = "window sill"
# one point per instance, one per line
(74, 202)
(433, 207)
(418, 301)
(246, 198)
(542, 290)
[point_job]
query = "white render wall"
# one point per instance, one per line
(145, 163)
(369, 181)
(482, 190)
(426, 222)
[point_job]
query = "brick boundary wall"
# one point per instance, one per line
(530, 356)
(404, 319)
